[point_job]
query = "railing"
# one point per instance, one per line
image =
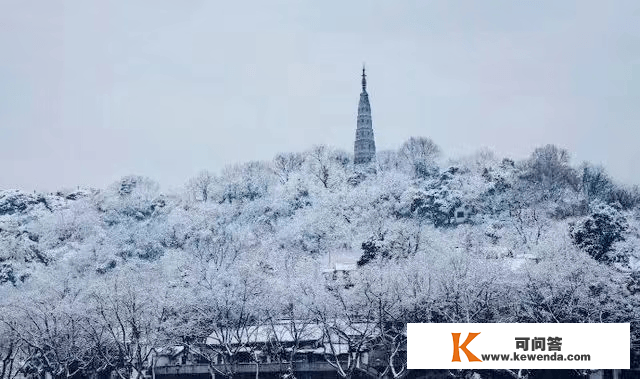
(244, 368)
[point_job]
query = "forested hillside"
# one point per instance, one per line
(93, 280)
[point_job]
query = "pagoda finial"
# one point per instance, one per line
(364, 79)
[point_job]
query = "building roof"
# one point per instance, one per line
(284, 332)
(281, 331)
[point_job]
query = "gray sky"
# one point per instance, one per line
(94, 90)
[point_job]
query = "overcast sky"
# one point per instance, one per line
(94, 90)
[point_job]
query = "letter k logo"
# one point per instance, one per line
(457, 347)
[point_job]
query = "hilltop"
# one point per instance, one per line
(318, 202)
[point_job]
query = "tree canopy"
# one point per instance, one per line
(128, 269)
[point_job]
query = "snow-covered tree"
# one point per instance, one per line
(597, 233)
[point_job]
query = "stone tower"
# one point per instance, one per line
(365, 146)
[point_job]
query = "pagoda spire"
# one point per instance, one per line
(365, 146)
